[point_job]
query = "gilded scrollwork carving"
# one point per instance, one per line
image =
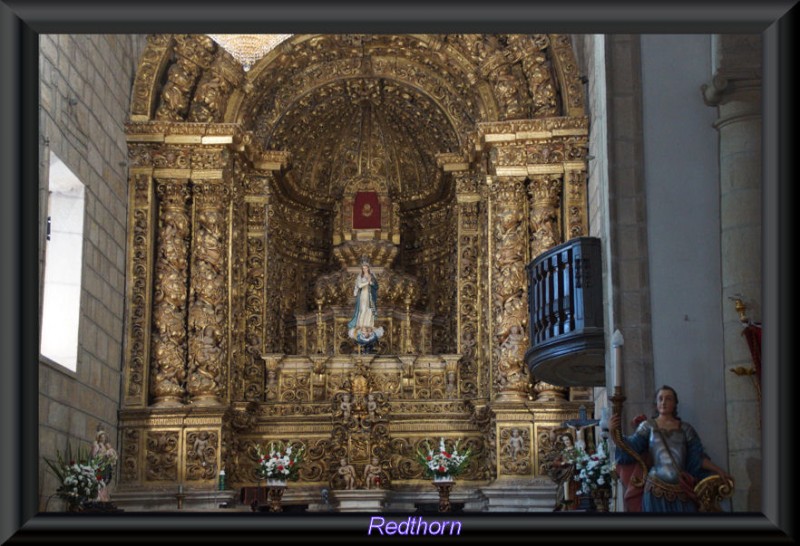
(209, 157)
(151, 63)
(576, 204)
(161, 456)
(171, 157)
(138, 327)
(244, 348)
(469, 212)
(170, 293)
(139, 155)
(484, 418)
(564, 60)
(129, 463)
(253, 375)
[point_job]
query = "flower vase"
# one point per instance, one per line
(275, 490)
(586, 503)
(444, 484)
(601, 496)
(75, 506)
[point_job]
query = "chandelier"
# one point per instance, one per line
(248, 48)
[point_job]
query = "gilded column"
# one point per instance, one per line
(208, 315)
(170, 294)
(545, 193)
(575, 201)
(256, 200)
(139, 288)
(468, 200)
(509, 288)
(545, 213)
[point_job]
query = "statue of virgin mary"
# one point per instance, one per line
(361, 327)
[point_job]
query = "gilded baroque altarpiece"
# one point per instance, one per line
(246, 232)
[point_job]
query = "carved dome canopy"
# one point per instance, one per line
(364, 127)
(383, 106)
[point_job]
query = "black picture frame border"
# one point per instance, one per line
(22, 21)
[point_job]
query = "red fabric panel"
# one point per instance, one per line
(633, 495)
(752, 333)
(366, 211)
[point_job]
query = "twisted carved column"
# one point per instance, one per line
(509, 288)
(545, 205)
(169, 297)
(545, 232)
(208, 315)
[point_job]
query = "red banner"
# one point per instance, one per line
(367, 211)
(752, 333)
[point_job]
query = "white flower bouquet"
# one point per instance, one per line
(442, 463)
(80, 476)
(280, 463)
(593, 470)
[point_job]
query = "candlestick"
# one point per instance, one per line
(617, 341)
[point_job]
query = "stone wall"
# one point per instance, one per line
(735, 88)
(85, 92)
(617, 204)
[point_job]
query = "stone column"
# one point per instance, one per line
(735, 89)
(170, 294)
(208, 314)
(508, 288)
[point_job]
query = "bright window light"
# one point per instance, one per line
(62, 267)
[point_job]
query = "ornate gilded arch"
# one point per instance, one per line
(464, 55)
